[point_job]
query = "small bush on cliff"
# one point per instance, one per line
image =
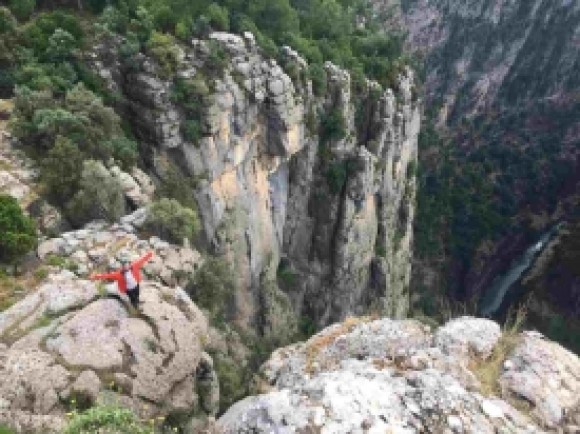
(317, 74)
(17, 231)
(100, 196)
(332, 126)
(22, 8)
(106, 419)
(7, 20)
(218, 17)
(171, 221)
(163, 48)
(212, 287)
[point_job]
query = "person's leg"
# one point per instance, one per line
(133, 295)
(137, 293)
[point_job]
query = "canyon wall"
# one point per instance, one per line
(308, 192)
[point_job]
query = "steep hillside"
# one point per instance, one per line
(501, 159)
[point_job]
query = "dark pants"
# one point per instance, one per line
(133, 295)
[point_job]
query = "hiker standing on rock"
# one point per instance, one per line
(127, 277)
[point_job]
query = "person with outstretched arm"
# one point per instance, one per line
(128, 277)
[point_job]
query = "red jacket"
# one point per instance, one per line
(118, 275)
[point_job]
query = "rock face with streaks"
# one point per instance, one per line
(68, 341)
(309, 193)
(399, 376)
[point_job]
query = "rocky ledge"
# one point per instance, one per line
(377, 376)
(99, 246)
(69, 345)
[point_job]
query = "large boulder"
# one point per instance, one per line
(68, 340)
(377, 376)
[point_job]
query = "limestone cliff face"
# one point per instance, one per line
(324, 208)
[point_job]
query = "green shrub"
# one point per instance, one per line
(100, 196)
(286, 278)
(7, 20)
(213, 286)
(22, 8)
(163, 48)
(37, 33)
(60, 170)
(336, 176)
(332, 126)
(124, 151)
(106, 419)
(192, 130)
(318, 76)
(217, 59)
(175, 185)
(61, 46)
(184, 30)
(171, 221)
(218, 17)
(17, 231)
(233, 381)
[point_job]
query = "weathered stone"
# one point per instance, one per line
(53, 246)
(465, 334)
(546, 375)
(353, 377)
(65, 327)
(87, 385)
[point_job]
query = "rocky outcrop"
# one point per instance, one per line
(68, 343)
(100, 246)
(323, 210)
(398, 376)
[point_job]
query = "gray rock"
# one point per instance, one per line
(546, 375)
(65, 327)
(87, 385)
(54, 246)
(356, 377)
(465, 334)
(276, 87)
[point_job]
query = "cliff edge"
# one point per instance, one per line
(385, 375)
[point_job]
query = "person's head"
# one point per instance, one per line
(124, 264)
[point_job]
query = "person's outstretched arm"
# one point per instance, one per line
(104, 276)
(141, 261)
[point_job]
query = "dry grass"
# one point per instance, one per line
(489, 370)
(15, 288)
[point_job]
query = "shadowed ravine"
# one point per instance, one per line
(494, 296)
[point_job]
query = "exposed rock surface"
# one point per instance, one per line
(67, 341)
(334, 216)
(100, 246)
(16, 172)
(398, 376)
